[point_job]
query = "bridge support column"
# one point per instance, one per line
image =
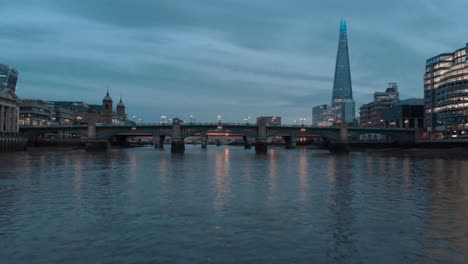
(203, 140)
(341, 145)
(94, 144)
(177, 143)
(177, 146)
(247, 144)
(260, 143)
(290, 142)
(159, 141)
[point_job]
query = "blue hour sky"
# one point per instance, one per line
(234, 58)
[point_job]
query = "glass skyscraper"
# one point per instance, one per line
(343, 104)
(8, 77)
(446, 94)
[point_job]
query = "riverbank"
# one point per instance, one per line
(11, 144)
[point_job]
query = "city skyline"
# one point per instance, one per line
(208, 58)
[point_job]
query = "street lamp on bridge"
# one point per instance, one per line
(302, 119)
(247, 119)
(163, 118)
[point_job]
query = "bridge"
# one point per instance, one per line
(336, 138)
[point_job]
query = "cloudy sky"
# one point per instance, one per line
(235, 58)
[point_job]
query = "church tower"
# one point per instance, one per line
(121, 111)
(107, 109)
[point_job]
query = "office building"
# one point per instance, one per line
(8, 77)
(270, 120)
(446, 95)
(322, 116)
(34, 113)
(371, 114)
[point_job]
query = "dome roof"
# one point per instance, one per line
(121, 104)
(107, 97)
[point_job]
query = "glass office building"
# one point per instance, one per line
(446, 95)
(8, 77)
(343, 105)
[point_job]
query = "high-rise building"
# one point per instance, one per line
(8, 77)
(446, 94)
(342, 100)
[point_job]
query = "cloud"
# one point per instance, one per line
(210, 57)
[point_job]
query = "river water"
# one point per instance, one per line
(227, 204)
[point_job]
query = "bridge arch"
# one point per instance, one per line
(213, 129)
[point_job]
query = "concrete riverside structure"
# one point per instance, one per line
(446, 95)
(335, 138)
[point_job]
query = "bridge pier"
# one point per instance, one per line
(177, 146)
(121, 141)
(158, 142)
(247, 144)
(177, 143)
(261, 146)
(290, 142)
(203, 140)
(260, 143)
(94, 144)
(341, 145)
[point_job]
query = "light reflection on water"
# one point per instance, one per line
(226, 204)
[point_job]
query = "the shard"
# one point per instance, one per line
(342, 99)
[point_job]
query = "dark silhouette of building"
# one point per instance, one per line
(342, 100)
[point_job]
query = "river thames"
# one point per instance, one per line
(227, 204)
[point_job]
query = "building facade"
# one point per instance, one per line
(121, 115)
(8, 112)
(343, 105)
(322, 116)
(34, 113)
(60, 115)
(8, 77)
(371, 114)
(408, 113)
(83, 113)
(270, 120)
(446, 95)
